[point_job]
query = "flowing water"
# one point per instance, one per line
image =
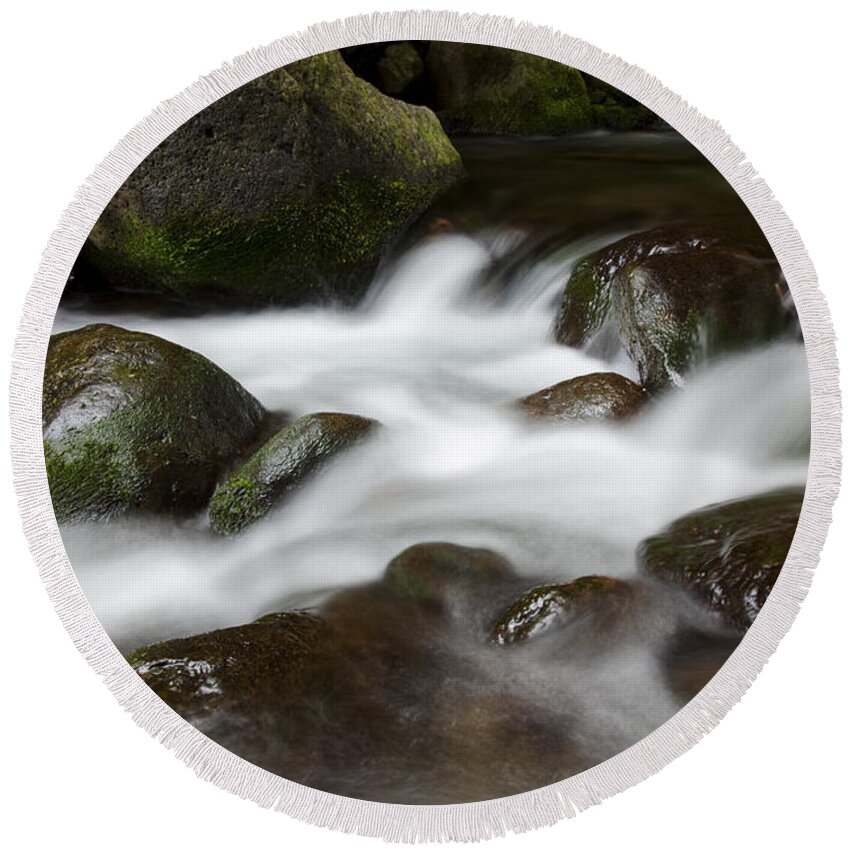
(456, 327)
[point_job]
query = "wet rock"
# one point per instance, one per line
(675, 295)
(483, 90)
(432, 572)
(728, 555)
(238, 671)
(600, 395)
(545, 608)
(281, 465)
(286, 190)
(133, 422)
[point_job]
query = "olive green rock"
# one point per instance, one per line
(674, 294)
(281, 465)
(286, 190)
(729, 555)
(431, 572)
(229, 671)
(133, 422)
(599, 395)
(547, 607)
(483, 90)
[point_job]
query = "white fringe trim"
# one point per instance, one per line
(471, 821)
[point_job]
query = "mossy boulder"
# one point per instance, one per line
(133, 422)
(286, 190)
(599, 395)
(432, 572)
(230, 671)
(548, 607)
(281, 465)
(613, 109)
(676, 294)
(728, 555)
(483, 90)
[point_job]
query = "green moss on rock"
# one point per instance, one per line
(286, 190)
(599, 395)
(729, 555)
(483, 90)
(133, 422)
(281, 465)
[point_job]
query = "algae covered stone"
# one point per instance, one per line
(133, 422)
(544, 608)
(281, 465)
(286, 190)
(729, 555)
(599, 395)
(483, 90)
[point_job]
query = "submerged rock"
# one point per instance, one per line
(237, 671)
(286, 190)
(729, 555)
(547, 607)
(693, 657)
(432, 572)
(281, 465)
(132, 421)
(483, 90)
(600, 395)
(675, 294)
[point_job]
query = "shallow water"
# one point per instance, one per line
(457, 327)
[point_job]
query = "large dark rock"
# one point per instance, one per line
(134, 422)
(728, 555)
(676, 294)
(548, 607)
(286, 190)
(281, 465)
(599, 395)
(483, 90)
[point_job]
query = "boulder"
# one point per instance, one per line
(676, 294)
(281, 465)
(133, 422)
(483, 90)
(287, 190)
(548, 607)
(600, 395)
(728, 555)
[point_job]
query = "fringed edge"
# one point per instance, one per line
(472, 821)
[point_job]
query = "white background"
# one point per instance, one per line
(76, 77)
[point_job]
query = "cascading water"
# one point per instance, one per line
(449, 337)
